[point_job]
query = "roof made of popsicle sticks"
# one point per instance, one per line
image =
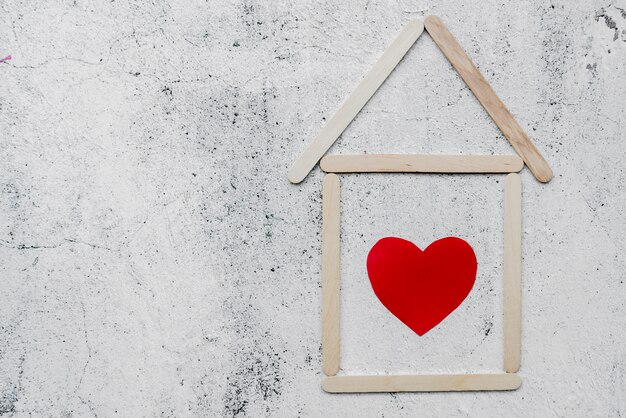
(422, 163)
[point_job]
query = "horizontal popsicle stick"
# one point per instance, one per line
(330, 274)
(488, 98)
(512, 272)
(355, 102)
(396, 163)
(421, 383)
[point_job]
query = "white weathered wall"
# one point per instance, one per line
(154, 260)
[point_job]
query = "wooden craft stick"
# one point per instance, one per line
(330, 274)
(512, 272)
(488, 98)
(395, 163)
(355, 102)
(421, 383)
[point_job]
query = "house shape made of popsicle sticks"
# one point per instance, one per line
(370, 163)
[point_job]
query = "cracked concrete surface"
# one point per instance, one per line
(154, 260)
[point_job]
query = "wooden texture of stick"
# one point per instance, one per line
(421, 383)
(330, 274)
(488, 98)
(387, 163)
(355, 102)
(512, 271)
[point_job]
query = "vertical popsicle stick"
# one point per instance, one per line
(355, 102)
(488, 98)
(330, 274)
(512, 271)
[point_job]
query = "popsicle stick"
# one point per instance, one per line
(488, 98)
(395, 163)
(355, 102)
(512, 271)
(330, 274)
(421, 383)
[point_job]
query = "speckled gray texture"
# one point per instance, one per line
(155, 261)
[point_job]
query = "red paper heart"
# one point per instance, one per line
(421, 288)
